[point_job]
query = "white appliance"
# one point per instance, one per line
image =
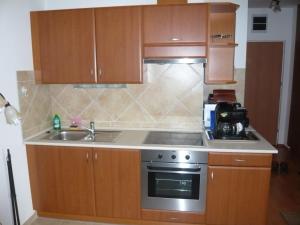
(208, 107)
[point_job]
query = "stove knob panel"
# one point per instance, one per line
(173, 156)
(187, 157)
(160, 156)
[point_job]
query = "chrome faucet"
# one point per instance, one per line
(92, 128)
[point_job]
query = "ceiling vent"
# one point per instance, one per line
(259, 23)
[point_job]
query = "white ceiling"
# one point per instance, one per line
(266, 3)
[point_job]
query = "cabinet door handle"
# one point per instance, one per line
(96, 156)
(87, 156)
(240, 160)
(92, 72)
(99, 71)
(212, 175)
(175, 39)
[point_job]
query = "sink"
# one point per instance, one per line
(174, 138)
(83, 135)
(68, 135)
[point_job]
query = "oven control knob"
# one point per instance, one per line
(160, 156)
(173, 156)
(187, 157)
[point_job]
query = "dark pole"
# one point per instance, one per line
(12, 190)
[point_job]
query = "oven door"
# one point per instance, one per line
(174, 186)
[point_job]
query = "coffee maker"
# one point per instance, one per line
(230, 121)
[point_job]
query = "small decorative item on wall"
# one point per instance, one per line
(11, 114)
(259, 23)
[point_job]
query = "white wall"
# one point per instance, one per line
(15, 54)
(281, 27)
(241, 24)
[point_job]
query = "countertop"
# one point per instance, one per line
(133, 139)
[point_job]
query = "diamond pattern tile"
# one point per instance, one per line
(170, 98)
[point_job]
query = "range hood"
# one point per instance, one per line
(175, 60)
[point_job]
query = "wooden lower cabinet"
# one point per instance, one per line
(103, 182)
(117, 183)
(126, 183)
(104, 185)
(237, 195)
(45, 178)
(173, 216)
(85, 181)
(77, 182)
(61, 179)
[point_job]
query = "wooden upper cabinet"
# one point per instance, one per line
(222, 23)
(221, 43)
(173, 24)
(237, 195)
(119, 44)
(63, 46)
(220, 66)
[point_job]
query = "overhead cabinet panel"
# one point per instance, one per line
(119, 44)
(175, 24)
(220, 68)
(63, 44)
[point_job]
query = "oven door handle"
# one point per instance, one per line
(173, 169)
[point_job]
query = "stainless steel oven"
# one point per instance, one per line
(174, 180)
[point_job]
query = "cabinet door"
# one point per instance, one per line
(175, 24)
(117, 183)
(126, 183)
(119, 44)
(103, 182)
(77, 180)
(220, 66)
(63, 43)
(44, 173)
(237, 195)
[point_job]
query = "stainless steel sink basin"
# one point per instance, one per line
(83, 135)
(68, 135)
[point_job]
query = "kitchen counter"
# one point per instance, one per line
(133, 139)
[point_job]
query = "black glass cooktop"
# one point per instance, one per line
(174, 138)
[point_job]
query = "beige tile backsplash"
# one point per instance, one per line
(170, 98)
(35, 104)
